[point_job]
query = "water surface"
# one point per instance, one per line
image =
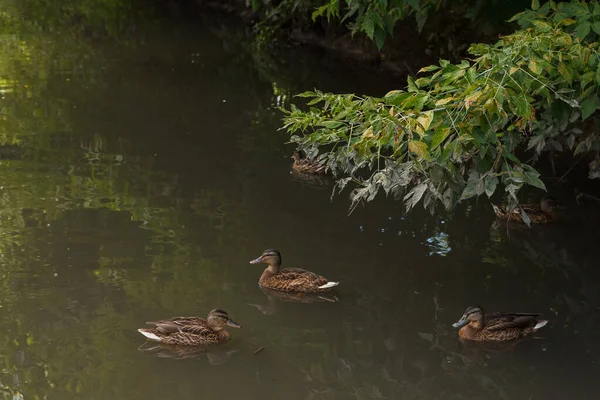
(137, 181)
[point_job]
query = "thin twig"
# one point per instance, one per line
(570, 169)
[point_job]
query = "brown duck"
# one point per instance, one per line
(543, 213)
(191, 331)
(498, 326)
(306, 166)
(289, 279)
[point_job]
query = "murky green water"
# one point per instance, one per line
(138, 180)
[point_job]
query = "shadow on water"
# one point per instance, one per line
(138, 180)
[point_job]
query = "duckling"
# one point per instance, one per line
(191, 331)
(543, 213)
(304, 165)
(497, 326)
(289, 279)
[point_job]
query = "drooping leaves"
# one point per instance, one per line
(466, 121)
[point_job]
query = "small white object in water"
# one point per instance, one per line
(329, 285)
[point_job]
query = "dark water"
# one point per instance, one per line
(138, 179)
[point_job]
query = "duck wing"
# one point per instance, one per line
(298, 277)
(179, 324)
(505, 321)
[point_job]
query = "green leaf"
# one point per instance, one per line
(368, 26)
(388, 22)
(429, 68)
(436, 174)
(587, 78)
(543, 26)
(392, 93)
(535, 67)
(379, 38)
(583, 30)
(474, 187)
(517, 16)
(422, 82)
(596, 27)
(397, 97)
(441, 102)
(306, 94)
(490, 183)
(331, 124)
(441, 134)
(411, 85)
(568, 21)
(566, 72)
(413, 197)
(425, 119)
(320, 11)
(416, 4)
(416, 101)
(419, 148)
(531, 177)
(520, 105)
(572, 102)
(535, 5)
(589, 106)
(526, 218)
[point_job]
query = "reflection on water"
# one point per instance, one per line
(137, 181)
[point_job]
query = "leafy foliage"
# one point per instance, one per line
(375, 18)
(454, 133)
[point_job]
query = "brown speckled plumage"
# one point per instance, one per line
(289, 279)
(191, 331)
(497, 326)
(542, 213)
(304, 165)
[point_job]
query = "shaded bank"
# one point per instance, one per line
(417, 40)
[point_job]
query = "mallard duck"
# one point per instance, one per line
(543, 213)
(306, 166)
(289, 279)
(498, 326)
(191, 331)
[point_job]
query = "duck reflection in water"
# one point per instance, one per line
(276, 296)
(215, 355)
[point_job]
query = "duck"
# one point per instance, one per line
(543, 213)
(191, 331)
(289, 279)
(306, 166)
(499, 327)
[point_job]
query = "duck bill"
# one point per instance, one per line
(256, 261)
(460, 323)
(233, 324)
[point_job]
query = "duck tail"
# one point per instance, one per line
(540, 324)
(329, 285)
(149, 335)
